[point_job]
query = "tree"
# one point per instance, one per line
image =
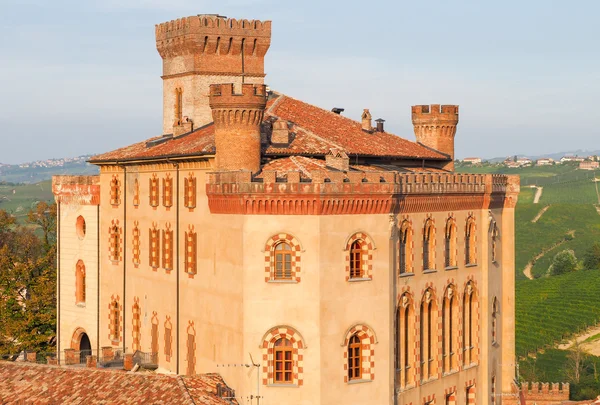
(591, 259)
(44, 216)
(27, 283)
(563, 262)
(574, 365)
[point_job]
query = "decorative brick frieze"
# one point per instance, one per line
(357, 193)
(79, 190)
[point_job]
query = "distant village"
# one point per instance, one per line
(591, 162)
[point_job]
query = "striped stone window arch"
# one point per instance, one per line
(450, 249)
(367, 339)
(115, 249)
(405, 247)
(470, 322)
(450, 330)
(191, 349)
(137, 324)
(470, 241)
(115, 319)
(282, 258)
(273, 366)
(429, 244)
(359, 250)
(470, 392)
(450, 396)
(405, 347)
(428, 335)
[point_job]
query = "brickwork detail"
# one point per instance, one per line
(167, 248)
(115, 191)
(470, 392)
(136, 324)
(191, 349)
(115, 320)
(268, 345)
(367, 247)
(115, 248)
(167, 190)
(270, 255)
(450, 395)
(136, 193)
(76, 339)
(545, 393)
(154, 246)
(191, 252)
(154, 193)
(368, 341)
(168, 339)
(136, 244)
(435, 127)
(189, 189)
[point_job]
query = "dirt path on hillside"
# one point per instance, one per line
(539, 214)
(529, 265)
(590, 347)
(538, 194)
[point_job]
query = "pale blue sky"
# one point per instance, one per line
(81, 77)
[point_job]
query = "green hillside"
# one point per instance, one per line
(19, 199)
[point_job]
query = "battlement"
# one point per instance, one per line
(545, 393)
(224, 96)
(322, 192)
(213, 34)
(79, 190)
(435, 112)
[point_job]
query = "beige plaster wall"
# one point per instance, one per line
(74, 315)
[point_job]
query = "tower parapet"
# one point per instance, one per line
(435, 127)
(200, 50)
(237, 119)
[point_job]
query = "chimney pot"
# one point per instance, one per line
(380, 122)
(337, 110)
(366, 120)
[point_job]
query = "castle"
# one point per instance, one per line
(307, 257)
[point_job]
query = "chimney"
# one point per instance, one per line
(337, 110)
(183, 127)
(366, 120)
(281, 133)
(379, 122)
(237, 119)
(337, 159)
(435, 127)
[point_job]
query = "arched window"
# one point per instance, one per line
(428, 336)
(354, 358)
(450, 244)
(178, 106)
(153, 194)
(115, 243)
(494, 241)
(356, 263)
(282, 258)
(136, 193)
(405, 341)
(283, 362)
(80, 282)
(470, 255)
(428, 245)
(283, 351)
(449, 331)
(189, 197)
(405, 248)
(495, 321)
(283, 261)
(115, 191)
(469, 325)
(115, 322)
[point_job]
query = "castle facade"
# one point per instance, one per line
(307, 257)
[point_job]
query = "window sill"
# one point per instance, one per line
(114, 262)
(429, 271)
(406, 388)
(80, 304)
(471, 265)
(283, 282)
(359, 381)
(356, 280)
(451, 268)
(407, 274)
(276, 385)
(451, 372)
(470, 366)
(429, 380)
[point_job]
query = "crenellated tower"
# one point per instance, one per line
(435, 127)
(201, 50)
(237, 119)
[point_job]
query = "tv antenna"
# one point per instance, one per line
(248, 365)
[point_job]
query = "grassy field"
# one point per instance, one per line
(19, 199)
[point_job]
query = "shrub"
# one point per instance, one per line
(591, 259)
(563, 262)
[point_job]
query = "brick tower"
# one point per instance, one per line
(435, 127)
(201, 50)
(237, 119)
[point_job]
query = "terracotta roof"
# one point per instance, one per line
(318, 130)
(308, 165)
(314, 132)
(41, 384)
(199, 142)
